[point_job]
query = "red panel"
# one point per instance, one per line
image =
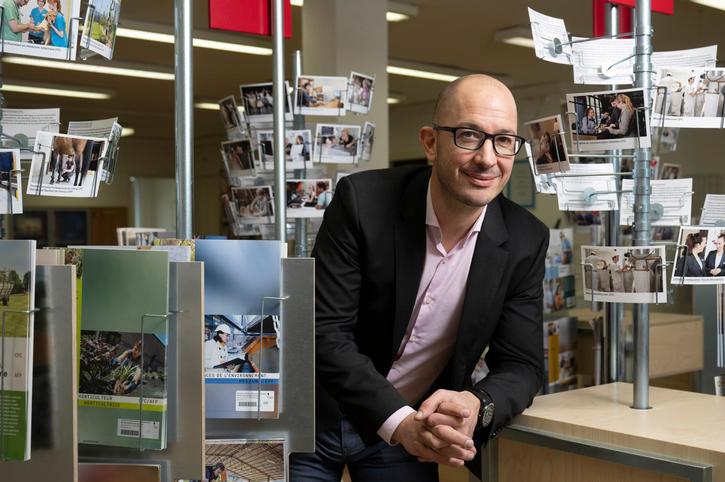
(247, 16)
(659, 6)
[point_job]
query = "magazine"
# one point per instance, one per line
(17, 293)
(243, 460)
(122, 348)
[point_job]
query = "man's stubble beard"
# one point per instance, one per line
(448, 185)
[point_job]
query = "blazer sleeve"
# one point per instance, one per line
(350, 377)
(516, 354)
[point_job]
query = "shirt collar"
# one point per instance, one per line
(432, 220)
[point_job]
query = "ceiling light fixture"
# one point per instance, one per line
(208, 105)
(55, 90)
(152, 35)
(421, 74)
(128, 131)
(297, 3)
(130, 70)
(399, 11)
(719, 4)
(519, 35)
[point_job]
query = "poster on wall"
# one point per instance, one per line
(66, 166)
(41, 29)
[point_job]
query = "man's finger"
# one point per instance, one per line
(451, 436)
(456, 452)
(432, 441)
(454, 409)
(424, 452)
(430, 405)
(440, 419)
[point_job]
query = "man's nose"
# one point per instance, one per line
(486, 155)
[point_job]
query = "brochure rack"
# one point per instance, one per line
(55, 381)
(12, 174)
(183, 457)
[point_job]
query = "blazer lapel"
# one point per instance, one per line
(484, 277)
(410, 242)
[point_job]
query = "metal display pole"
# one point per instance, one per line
(299, 123)
(184, 96)
(614, 311)
(279, 94)
(641, 177)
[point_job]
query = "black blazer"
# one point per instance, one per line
(688, 266)
(710, 263)
(370, 252)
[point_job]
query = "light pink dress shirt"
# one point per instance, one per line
(433, 327)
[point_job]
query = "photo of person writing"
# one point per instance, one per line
(216, 353)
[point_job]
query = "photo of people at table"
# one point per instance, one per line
(700, 256)
(624, 274)
(316, 95)
(336, 143)
(308, 198)
(608, 120)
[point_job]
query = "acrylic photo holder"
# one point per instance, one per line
(183, 457)
(89, 12)
(372, 96)
(54, 442)
(296, 422)
(144, 317)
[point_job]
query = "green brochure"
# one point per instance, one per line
(123, 341)
(17, 298)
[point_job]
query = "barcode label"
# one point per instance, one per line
(249, 401)
(129, 428)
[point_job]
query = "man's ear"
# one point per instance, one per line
(427, 138)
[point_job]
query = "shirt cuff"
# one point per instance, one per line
(387, 429)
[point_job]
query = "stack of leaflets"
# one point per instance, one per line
(123, 303)
(241, 353)
(17, 300)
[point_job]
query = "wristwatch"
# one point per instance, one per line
(485, 413)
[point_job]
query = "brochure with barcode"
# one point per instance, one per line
(17, 300)
(240, 460)
(241, 366)
(241, 343)
(123, 341)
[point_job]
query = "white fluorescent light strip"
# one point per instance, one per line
(128, 131)
(213, 106)
(395, 16)
(86, 67)
(421, 74)
(297, 3)
(393, 100)
(520, 41)
(39, 90)
(197, 42)
(719, 4)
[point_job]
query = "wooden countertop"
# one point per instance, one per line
(678, 423)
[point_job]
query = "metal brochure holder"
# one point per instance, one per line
(296, 422)
(55, 381)
(659, 211)
(183, 457)
(12, 174)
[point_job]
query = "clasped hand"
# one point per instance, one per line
(442, 429)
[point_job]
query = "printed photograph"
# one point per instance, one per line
(548, 146)
(308, 198)
(336, 143)
(665, 138)
(297, 148)
(670, 171)
(559, 255)
(560, 343)
(360, 95)
(367, 141)
(116, 363)
(11, 189)
(244, 461)
(317, 95)
(41, 28)
(239, 157)
(229, 111)
(559, 294)
(68, 166)
(254, 204)
(258, 102)
(689, 97)
(623, 274)
(101, 21)
(24, 124)
(608, 120)
(699, 256)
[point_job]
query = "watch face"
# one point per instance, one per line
(487, 414)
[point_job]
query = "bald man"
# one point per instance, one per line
(418, 270)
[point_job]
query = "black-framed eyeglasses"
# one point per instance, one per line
(472, 140)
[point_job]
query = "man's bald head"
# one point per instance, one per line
(456, 91)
